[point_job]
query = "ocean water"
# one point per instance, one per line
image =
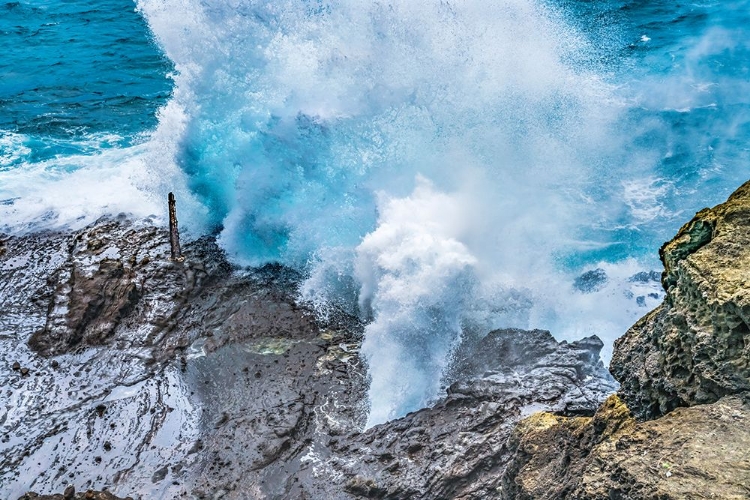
(441, 168)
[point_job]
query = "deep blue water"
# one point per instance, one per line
(72, 68)
(690, 76)
(442, 167)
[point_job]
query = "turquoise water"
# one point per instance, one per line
(441, 168)
(70, 70)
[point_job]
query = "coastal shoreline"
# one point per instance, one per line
(159, 379)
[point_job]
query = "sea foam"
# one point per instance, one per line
(434, 153)
(440, 168)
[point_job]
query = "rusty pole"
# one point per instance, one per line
(174, 234)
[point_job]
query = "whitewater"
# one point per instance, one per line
(440, 168)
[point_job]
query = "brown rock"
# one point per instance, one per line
(698, 452)
(695, 347)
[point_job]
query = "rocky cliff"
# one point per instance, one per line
(680, 427)
(691, 453)
(695, 347)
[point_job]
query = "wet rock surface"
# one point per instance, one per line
(695, 347)
(159, 379)
(457, 448)
(139, 377)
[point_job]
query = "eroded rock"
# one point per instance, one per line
(698, 452)
(695, 347)
(148, 355)
(108, 280)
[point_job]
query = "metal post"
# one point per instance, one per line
(174, 234)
